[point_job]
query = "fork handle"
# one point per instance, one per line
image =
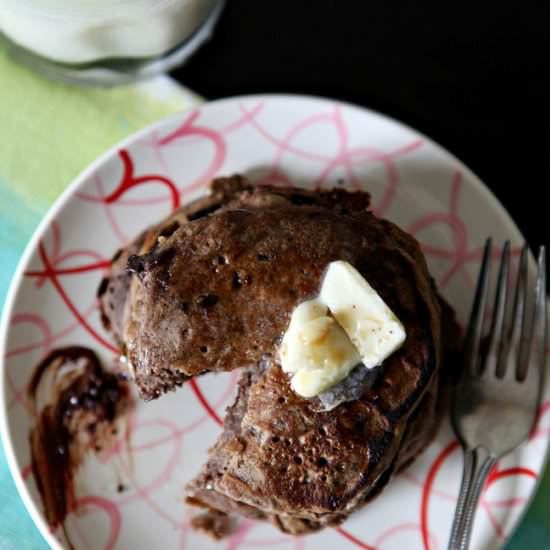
(478, 463)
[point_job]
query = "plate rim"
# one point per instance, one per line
(61, 201)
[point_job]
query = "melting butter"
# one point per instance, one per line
(316, 350)
(349, 323)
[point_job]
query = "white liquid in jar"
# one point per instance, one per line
(81, 31)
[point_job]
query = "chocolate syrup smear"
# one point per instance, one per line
(75, 403)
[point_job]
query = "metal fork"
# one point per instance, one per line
(495, 402)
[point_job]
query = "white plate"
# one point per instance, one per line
(277, 139)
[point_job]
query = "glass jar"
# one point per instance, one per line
(105, 42)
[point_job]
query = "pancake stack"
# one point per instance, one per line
(212, 288)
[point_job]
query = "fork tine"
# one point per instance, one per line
(475, 325)
(514, 348)
(535, 356)
(496, 341)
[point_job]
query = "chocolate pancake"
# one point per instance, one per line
(212, 288)
(217, 293)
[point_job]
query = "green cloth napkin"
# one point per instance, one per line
(49, 133)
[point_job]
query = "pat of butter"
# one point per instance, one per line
(316, 350)
(348, 324)
(372, 326)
